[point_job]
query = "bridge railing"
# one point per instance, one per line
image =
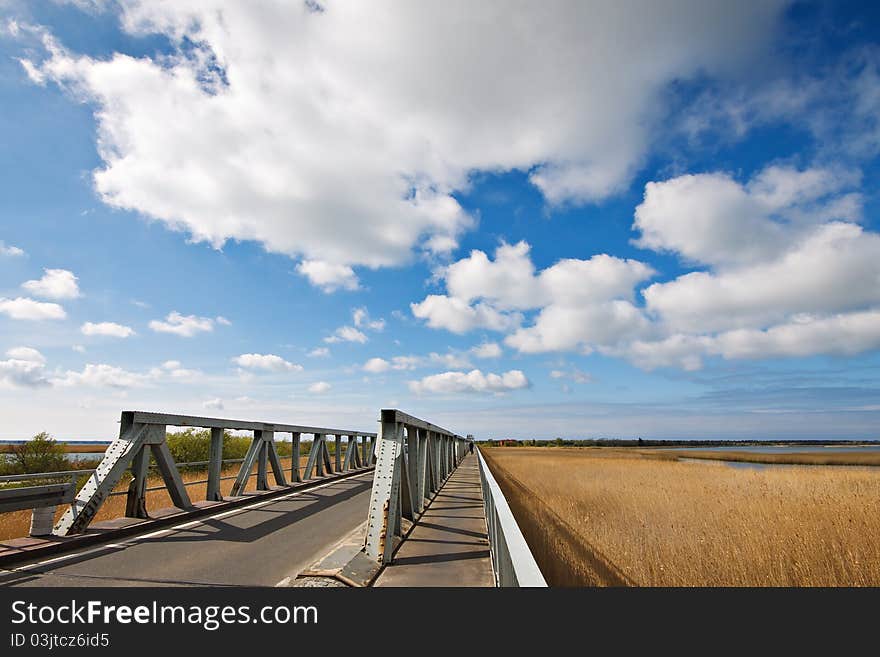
(512, 561)
(143, 434)
(41, 493)
(413, 460)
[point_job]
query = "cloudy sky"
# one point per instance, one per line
(578, 219)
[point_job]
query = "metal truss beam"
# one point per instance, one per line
(413, 460)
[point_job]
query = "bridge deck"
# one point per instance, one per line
(256, 545)
(449, 545)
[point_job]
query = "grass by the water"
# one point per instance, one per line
(605, 516)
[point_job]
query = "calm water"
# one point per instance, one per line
(785, 449)
(73, 456)
(779, 449)
(85, 456)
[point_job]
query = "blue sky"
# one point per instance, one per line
(569, 221)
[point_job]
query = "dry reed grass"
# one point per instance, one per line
(600, 516)
(17, 523)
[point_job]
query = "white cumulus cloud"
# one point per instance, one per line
(457, 315)
(311, 135)
(790, 272)
(319, 387)
(183, 325)
(102, 375)
(267, 362)
(25, 367)
(111, 329)
(55, 284)
(713, 219)
(347, 334)
(470, 382)
(25, 308)
(328, 276)
(377, 365)
(582, 303)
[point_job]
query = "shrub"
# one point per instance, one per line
(195, 445)
(40, 454)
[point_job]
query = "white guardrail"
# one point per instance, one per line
(512, 560)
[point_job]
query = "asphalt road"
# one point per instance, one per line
(257, 545)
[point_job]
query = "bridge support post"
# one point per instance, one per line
(215, 465)
(421, 465)
(370, 457)
(294, 457)
(41, 521)
(337, 457)
(328, 467)
(384, 512)
(262, 462)
(406, 499)
(412, 470)
(136, 501)
(441, 461)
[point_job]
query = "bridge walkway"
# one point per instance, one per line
(449, 545)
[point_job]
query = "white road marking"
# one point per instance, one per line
(186, 525)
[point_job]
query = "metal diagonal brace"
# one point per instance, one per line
(91, 496)
(315, 462)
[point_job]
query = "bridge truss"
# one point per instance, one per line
(142, 435)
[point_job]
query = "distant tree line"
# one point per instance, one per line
(643, 442)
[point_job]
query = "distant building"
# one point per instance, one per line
(508, 442)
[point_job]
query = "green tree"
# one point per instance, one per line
(40, 454)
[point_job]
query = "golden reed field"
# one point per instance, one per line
(614, 517)
(17, 523)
